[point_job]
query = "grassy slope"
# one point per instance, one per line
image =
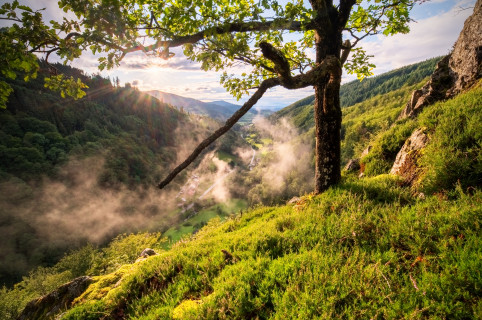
(454, 153)
(365, 249)
(363, 121)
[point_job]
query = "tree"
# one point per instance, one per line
(274, 40)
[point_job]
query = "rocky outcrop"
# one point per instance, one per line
(353, 165)
(455, 72)
(405, 164)
(294, 200)
(48, 306)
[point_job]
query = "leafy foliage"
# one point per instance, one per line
(220, 34)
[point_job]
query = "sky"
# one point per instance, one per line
(435, 30)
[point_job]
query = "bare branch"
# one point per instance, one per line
(346, 51)
(11, 19)
(243, 59)
(265, 85)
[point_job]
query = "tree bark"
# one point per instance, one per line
(327, 114)
(327, 110)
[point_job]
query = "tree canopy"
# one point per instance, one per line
(293, 44)
(219, 34)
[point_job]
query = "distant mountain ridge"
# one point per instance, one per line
(219, 110)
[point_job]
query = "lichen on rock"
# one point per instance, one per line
(48, 306)
(405, 164)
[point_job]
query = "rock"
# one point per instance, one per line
(60, 299)
(366, 151)
(361, 168)
(353, 165)
(147, 252)
(466, 58)
(405, 164)
(294, 200)
(455, 72)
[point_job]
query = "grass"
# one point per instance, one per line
(199, 220)
(454, 152)
(226, 157)
(363, 250)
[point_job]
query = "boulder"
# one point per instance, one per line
(147, 252)
(353, 165)
(294, 200)
(455, 72)
(405, 164)
(48, 306)
(366, 151)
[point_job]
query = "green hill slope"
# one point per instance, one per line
(367, 248)
(301, 112)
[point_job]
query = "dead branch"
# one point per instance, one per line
(265, 85)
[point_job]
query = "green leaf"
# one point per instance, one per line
(25, 8)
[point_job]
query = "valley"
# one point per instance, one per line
(362, 200)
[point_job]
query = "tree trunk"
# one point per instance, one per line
(327, 113)
(327, 130)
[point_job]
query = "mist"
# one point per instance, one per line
(40, 222)
(283, 167)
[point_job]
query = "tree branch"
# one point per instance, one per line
(281, 64)
(282, 67)
(346, 51)
(276, 24)
(265, 85)
(344, 12)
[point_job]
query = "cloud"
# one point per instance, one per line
(428, 38)
(140, 60)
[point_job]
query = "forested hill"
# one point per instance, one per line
(67, 156)
(355, 91)
(40, 130)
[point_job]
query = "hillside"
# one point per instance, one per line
(367, 248)
(73, 172)
(301, 112)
